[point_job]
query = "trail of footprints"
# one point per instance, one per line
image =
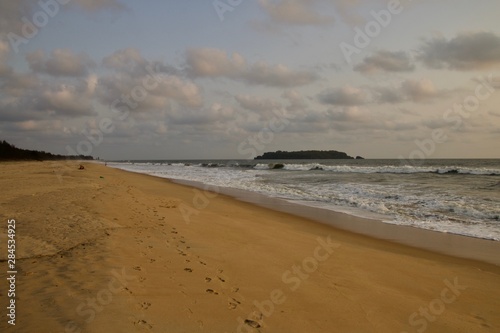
(182, 250)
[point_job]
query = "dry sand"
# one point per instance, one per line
(104, 250)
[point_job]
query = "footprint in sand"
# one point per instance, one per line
(145, 305)
(207, 279)
(143, 323)
(138, 268)
(233, 303)
(188, 270)
(128, 290)
(211, 291)
(252, 323)
(221, 279)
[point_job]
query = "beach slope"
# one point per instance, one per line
(104, 250)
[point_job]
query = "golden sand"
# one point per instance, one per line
(104, 250)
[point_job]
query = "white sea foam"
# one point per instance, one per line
(397, 169)
(420, 202)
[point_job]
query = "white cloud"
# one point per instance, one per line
(295, 100)
(295, 12)
(206, 117)
(64, 100)
(207, 62)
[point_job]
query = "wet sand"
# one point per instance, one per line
(104, 250)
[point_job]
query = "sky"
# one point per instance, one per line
(232, 79)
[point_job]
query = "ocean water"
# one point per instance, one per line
(454, 196)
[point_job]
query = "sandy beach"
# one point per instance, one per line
(104, 250)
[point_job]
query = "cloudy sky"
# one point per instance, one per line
(123, 79)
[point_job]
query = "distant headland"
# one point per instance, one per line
(306, 155)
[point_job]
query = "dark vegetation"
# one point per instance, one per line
(305, 155)
(9, 152)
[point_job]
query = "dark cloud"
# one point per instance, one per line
(12, 12)
(97, 5)
(388, 95)
(386, 61)
(125, 60)
(345, 96)
(5, 69)
(207, 117)
(61, 62)
(19, 84)
(26, 98)
(258, 104)
(465, 52)
(420, 90)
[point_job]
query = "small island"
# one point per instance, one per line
(306, 155)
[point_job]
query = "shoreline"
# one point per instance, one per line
(455, 245)
(109, 250)
(362, 190)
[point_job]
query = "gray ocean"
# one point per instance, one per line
(454, 196)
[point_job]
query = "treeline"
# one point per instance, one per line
(304, 155)
(9, 152)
